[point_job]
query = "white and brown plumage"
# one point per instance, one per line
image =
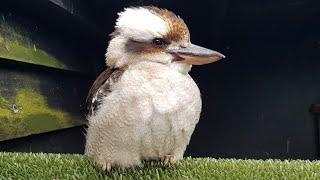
(145, 106)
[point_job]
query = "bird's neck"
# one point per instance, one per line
(181, 67)
(176, 66)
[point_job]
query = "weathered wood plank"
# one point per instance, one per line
(72, 6)
(36, 102)
(315, 109)
(30, 42)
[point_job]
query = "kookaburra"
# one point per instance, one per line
(145, 105)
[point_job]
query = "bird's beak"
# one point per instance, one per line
(196, 55)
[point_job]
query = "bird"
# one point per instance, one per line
(145, 105)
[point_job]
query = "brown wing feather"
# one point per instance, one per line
(93, 92)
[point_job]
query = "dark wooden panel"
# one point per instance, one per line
(315, 109)
(70, 140)
(76, 7)
(83, 37)
(21, 39)
(33, 101)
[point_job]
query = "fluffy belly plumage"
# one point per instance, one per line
(144, 118)
(168, 133)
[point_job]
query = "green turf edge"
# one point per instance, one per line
(71, 166)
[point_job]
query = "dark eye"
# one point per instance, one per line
(159, 42)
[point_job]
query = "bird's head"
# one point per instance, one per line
(153, 34)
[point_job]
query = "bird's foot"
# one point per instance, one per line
(168, 160)
(106, 167)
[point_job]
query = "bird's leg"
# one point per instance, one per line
(106, 167)
(168, 160)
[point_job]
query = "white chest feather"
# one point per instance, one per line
(151, 112)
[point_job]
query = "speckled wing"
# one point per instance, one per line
(101, 88)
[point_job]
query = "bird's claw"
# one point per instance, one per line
(168, 160)
(106, 167)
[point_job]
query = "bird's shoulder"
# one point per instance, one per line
(102, 88)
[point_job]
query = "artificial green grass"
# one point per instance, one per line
(58, 166)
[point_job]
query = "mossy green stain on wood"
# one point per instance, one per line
(16, 45)
(35, 105)
(1, 40)
(30, 114)
(5, 113)
(4, 103)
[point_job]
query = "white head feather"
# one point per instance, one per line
(140, 23)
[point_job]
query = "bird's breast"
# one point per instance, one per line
(166, 103)
(167, 89)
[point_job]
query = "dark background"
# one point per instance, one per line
(255, 102)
